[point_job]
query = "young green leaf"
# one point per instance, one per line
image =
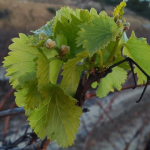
(139, 51)
(21, 62)
(49, 54)
(124, 65)
(93, 12)
(47, 71)
(32, 96)
(94, 84)
(61, 40)
(72, 73)
(33, 40)
(40, 35)
(142, 79)
(46, 29)
(107, 51)
(98, 33)
(111, 81)
(20, 99)
(67, 25)
(57, 117)
(69, 30)
(66, 12)
(29, 97)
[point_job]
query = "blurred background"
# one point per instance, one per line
(115, 122)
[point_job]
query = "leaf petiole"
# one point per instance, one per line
(101, 59)
(117, 47)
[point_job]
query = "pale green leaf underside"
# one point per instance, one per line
(61, 40)
(20, 99)
(47, 71)
(94, 84)
(49, 54)
(57, 117)
(46, 29)
(72, 73)
(142, 79)
(107, 51)
(98, 33)
(69, 30)
(139, 51)
(29, 97)
(42, 73)
(68, 23)
(124, 65)
(20, 62)
(32, 96)
(111, 81)
(66, 12)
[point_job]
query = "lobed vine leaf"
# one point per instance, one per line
(57, 117)
(142, 79)
(111, 81)
(139, 51)
(21, 62)
(66, 12)
(28, 97)
(67, 25)
(97, 33)
(20, 99)
(46, 29)
(106, 51)
(47, 71)
(72, 72)
(72, 42)
(61, 40)
(40, 35)
(124, 65)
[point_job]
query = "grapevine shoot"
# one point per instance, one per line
(84, 48)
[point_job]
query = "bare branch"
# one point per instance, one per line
(89, 95)
(11, 112)
(113, 122)
(34, 146)
(6, 97)
(99, 120)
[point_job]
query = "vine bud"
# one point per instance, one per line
(50, 43)
(119, 22)
(104, 67)
(114, 57)
(64, 49)
(42, 36)
(116, 16)
(126, 26)
(92, 71)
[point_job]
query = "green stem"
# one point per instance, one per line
(55, 58)
(101, 59)
(114, 52)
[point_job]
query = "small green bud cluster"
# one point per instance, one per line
(42, 36)
(119, 22)
(50, 43)
(64, 50)
(126, 26)
(116, 17)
